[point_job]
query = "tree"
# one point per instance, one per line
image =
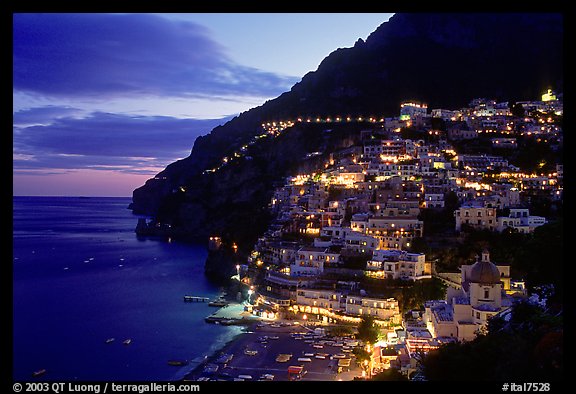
(451, 202)
(541, 258)
(413, 297)
(516, 109)
(419, 245)
(361, 354)
(389, 375)
(438, 124)
(340, 331)
(368, 330)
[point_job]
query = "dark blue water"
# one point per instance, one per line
(81, 276)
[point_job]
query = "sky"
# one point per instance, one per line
(103, 102)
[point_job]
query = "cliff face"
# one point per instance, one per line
(444, 60)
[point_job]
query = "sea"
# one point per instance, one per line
(81, 277)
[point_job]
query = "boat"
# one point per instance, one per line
(178, 363)
(211, 368)
(127, 341)
(110, 340)
(225, 358)
(39, 373)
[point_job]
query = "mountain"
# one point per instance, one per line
(444, 59)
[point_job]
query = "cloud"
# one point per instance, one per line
(43, 115)
(102, 56)
(104, 141)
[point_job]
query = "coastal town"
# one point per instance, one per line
(348, 239)
(302, 198)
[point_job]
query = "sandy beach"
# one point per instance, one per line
(253, 355)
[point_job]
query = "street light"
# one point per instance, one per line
(238, 270)
(364, 374)
(368, 363)
(249, 294)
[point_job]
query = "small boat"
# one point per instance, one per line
(178, 363)
(39, 373)
(218, 303)
(110, 340)
(127, 341)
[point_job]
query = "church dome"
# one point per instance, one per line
(484, 272)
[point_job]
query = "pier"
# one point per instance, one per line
(189, 298)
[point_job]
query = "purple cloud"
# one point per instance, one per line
(132, 144)
(107, 55)
(43, 115)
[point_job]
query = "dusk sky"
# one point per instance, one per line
(102, 102)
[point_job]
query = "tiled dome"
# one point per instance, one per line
(484, 272)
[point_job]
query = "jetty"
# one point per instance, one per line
(189, 298)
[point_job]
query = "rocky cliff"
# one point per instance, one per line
(444, 60)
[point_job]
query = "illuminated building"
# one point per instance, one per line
(475, 215)
(433, 200)
(397, 264)
(379, 308)
(444, 114)
(549, 96)
(481, 162)
(520, 220)
(412, 110)
(310, 261)
(467, 309)
(504, 143)
(343, 305)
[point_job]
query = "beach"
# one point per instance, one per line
(254, 355)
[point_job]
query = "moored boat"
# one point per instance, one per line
(39, 373)
(178, 363)
(110, 340)
(127, 341)
(219, 302)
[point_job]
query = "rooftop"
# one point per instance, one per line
(461, 300)
(312, 249)
(484, 272)
(487, 308)
(443, 314)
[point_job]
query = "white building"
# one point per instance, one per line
(395, 232)
(412, 110)
(397, 264)
(350, 239)
(433, 200)
(310, 261)
(476, 216)
(445, 114)
(481, 162)
(338, 305)
(379, 308)
(386, 148)
(327, 299)
(466, 311)
(346, 178)
(520, 220)
(384, 170)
